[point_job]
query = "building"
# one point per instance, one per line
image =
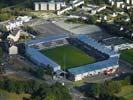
(93, 9)
(24, 18)
(13, 50)
(107, 66)
(14, 35)
(118, 43)
(51, 6)
(98, 46)
(13, 24)
(48, 42)
(41, 60)
(60, 6)
(118, 3)
(130, 2)
(33, 47)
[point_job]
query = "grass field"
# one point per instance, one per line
(13, 96)
(127, 92)
(127, 55)
(68, 56)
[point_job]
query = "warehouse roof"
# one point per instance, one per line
(46, 39)
(96, 66)
(42, 59)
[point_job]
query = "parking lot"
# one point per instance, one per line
(78, 28)
(48, 28)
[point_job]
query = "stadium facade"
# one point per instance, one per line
(107, 65)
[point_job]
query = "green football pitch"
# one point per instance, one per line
(126, 92)
(68, 56)
(127, 55)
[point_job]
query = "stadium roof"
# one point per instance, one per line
(46, 39)
(96, 66)
(100, 47)
(35, 55)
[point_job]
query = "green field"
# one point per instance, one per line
(127, 55)
(13, 96)
(127, 92)
(68, 56)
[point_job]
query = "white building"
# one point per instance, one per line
(93, 9)
(51, 6)
(24, 18)
(118, 43)
(130, 2)
(16, 34)
(73, 1)
(103, 67)
(11, 25)
(60, 7)
(13, 50)
(118, 3)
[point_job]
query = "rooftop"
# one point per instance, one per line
(96, 45)
(96, 66)
(42, 59)
(116, 41)
(46, 39)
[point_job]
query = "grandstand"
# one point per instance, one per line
(93, 43)
(41, 60)
(106, 66)
(106, 59)
(48, 42)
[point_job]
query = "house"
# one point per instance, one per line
(93, 9)
(14, 35)
(118, 3)
(130, 2)
(14, 24)
(13, 50)
(24, 18)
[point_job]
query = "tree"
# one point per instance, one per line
(111, 87)
(95, 89)
(110, 97)
(54, 92)
(39, 73)
(92, 20)
(99, 2)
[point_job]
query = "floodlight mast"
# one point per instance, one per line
(64, 58)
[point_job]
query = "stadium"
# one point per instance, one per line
(78, 55)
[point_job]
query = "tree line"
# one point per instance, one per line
(38, 90)
(109, 88)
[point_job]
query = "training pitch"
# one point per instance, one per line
(68, 56)
(127, 55)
